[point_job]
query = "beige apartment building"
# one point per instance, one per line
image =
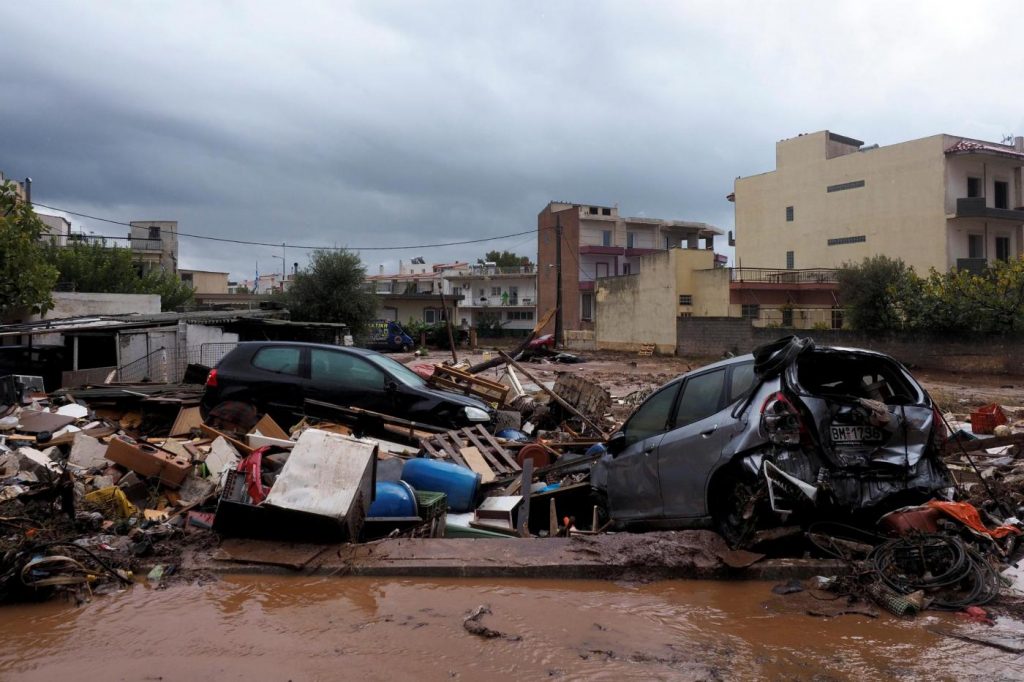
(937, 202)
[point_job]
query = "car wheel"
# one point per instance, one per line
(736, 513)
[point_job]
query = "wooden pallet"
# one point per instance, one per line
(474, 440)
(646, 350)
(451, 379)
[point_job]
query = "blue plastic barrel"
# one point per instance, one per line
(393, 499)
(458, 483)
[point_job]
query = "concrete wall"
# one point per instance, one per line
(713, 337)
(205, 282)
(900, 210)
(633, 310)
(77, 304)
(711, 293)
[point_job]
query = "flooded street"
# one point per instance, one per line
(278, 628)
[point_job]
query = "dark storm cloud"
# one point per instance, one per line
(409, 123)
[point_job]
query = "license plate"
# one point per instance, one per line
(856, 434)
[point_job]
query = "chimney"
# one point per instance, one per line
(28, 190)
(1018, 143)
(381, 270)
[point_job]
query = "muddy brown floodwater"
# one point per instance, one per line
(279, 628)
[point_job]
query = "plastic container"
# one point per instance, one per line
(394, 499)
(458, 483)
(986, 419)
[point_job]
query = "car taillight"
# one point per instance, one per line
(939, 427)
(781, 420)
(211, 379)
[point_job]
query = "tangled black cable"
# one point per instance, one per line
(936, 563)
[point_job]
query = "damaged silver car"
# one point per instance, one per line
(790, 433)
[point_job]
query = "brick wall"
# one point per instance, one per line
(712, 337)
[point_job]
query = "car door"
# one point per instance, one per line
(347, 380)
(633, 489)
(277, 382)
(702, 425)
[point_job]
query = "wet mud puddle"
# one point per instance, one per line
(279, 628)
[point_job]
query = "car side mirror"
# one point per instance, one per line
(617, 443)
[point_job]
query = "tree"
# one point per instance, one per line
(332, 290)
(26, 277)
(962, 301)
(101, 269)
(504, 259)
(871, 292)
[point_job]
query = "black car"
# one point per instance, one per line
(278, 377)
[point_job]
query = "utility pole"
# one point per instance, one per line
(559, 341)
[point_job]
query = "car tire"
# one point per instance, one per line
(735, 515)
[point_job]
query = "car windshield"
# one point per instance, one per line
(397, 370)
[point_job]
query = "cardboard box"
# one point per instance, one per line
(148, 461)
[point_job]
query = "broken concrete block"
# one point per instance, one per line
(36, 462)
(100, 482)
(88, 452)
(9, 465)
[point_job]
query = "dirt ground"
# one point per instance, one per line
(623, 373)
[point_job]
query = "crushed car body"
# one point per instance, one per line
(792, 429)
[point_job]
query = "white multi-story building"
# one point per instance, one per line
(505, 295)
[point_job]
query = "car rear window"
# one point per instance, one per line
(856, 375)
(740, 380)
(279, 360)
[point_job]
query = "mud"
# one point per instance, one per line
(271, 628)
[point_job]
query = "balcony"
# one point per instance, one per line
(477, 271)
(974, 207)
(146, 244)
(778, 276)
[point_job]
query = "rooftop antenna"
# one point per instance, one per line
(1008, 139)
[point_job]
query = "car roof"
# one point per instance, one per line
(302, 344)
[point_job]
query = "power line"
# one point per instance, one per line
(293, 246)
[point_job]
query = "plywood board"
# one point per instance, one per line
(188, 418)
(266, 426)
(477, 463)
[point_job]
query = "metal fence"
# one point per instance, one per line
(778, 276)
(167, 365)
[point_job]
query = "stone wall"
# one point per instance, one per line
(713, 337)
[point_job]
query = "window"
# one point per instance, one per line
(625, 268)
(482, 294)
(586, 306)
(593, 210)
(601, 269)
(1002, 194)
(1003, 248)
(279, 360)
(789, 214)
(787, 317)
(495, 291)
(333, 367)
(606, 238)
(701, 397)
(973, 187)
(975, 246)
(750, 311)
(630, 240)
(790, 260)
(456, 292)
(606, 211)
(186, 278)
(741, 380)
(837, 318)
(685, 299)
(651, 418)
(844, 186)
(154, 232)
(838, 241)
(429, 315)
(513, 315)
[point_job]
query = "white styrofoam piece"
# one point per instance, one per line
(323, 474)
(257, 440)
(222, 457)
(73, 410)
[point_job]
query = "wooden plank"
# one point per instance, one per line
(242, 448)
(491, 458)
(188, 418)
(957, 447)
(425, 444)
(475, 461)
(500, 451)
(557, 398)
(444, 440)
(524, 511)
(269, 428)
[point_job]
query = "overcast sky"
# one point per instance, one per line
(401, 123)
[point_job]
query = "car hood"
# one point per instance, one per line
(455, 398)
